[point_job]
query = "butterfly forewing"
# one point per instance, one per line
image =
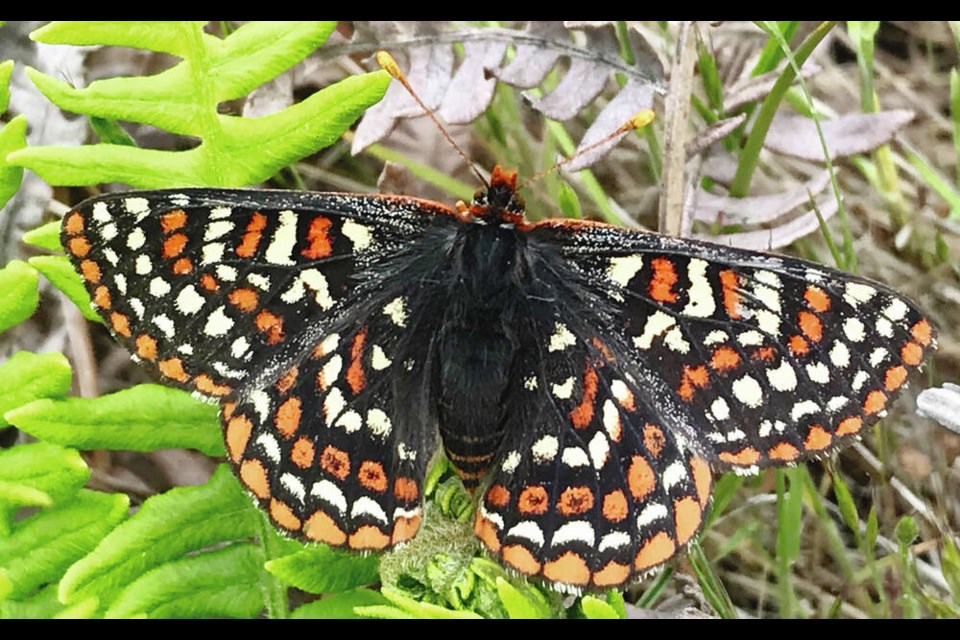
(771, 359)
(209, 287)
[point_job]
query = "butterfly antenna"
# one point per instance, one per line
(387, 62)
(639, 120)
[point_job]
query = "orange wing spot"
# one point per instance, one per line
(355, 377)
(656, 550)
(90, 271)
(612, 574)
(894, 377)
(303, 452)
(581, 415)
(798, 346)
(603, 349)
(817, 439)
(783, 451)
(520, 559)
(283, 384)
(254, 475)
(183, 266)
(693, 378)
(615, 506)
(687, 517)
(120, 324)
(640, 478)
(653, 439)
(404, 529)
(702, 479)
(498, 496)
(323, 528)
(850, 425)
(74, 223)
(319, 238)
(237, 436)
(532, 500)
(664, 277)
(743, 458)
(270, 324)
(724, 359)
(173, 220)
(487, 532)
(173, 368)
(252, 235)
(912, 354)
(288, 415)
(817, 299)
(575, 500)
(335, 462)
(570, 568)
(101, 297)
(405, 489)
(206, 385)
(174, 246)
(764, 353)
(244, 299)
(922, 332)
(372, 476)
(731, 299)
(209, 283)
(227, 409)
(875, 402)
(78, 246)
(810, 325)
(283, 516)
(368, 537)
(146, 347)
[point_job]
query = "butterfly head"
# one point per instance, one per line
(500, 201)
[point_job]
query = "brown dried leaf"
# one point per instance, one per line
(848, 135)
(779, 236)
(463, 97)
(715, 132)
(633, 97)
(757, 209)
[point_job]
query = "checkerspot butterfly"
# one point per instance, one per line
(586, 380)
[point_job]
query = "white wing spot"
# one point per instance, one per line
(259, 280)
(803, 408)
(716, 337)
(622, 270)
(564, 390)
(143, 266)
(101, 213)
(378, 359)
(614, 540)
(136, 239)
(819, 373)
(189, 301)
(396, 310)
(111, 256)
(545, 449)
(575, 457)
(561, 339)
(331, 370)
(877, 356)
(599, 450)
(856, 293)
(364, 506)
(331, 494)
(750, 338)
(350, 420)
(218, 323)
(227, 273)
(270, 446)
(657, 324)
(701, 299)
(748, 391)
(720, 409)
(379, 423)
(576, 531)
(284, 239)
(293, 484)
(783, 378)
(159, 287)
(884, 327)
(359, 235)
(511, 462)
(239, 347)
(212, 253)
(674, 475)
(165, 324)
(836, 403)
(137, 305)
(121, 281)
(333, 404)
(651, 513)
(528, 530)
(859, 380)
(839, 355)
(217, 229)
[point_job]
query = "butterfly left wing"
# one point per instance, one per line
(593, 487)
(772, 359)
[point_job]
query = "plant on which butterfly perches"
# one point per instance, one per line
(584, 381)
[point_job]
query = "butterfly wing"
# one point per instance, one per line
(772, 359)
(593, 486)
(200, 283)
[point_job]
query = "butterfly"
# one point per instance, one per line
(585, 381)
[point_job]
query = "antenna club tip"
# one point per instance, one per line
(640, 119)
(388, 64)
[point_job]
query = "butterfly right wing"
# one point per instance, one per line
(200, 284)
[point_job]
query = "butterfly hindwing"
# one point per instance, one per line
(593, 488)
